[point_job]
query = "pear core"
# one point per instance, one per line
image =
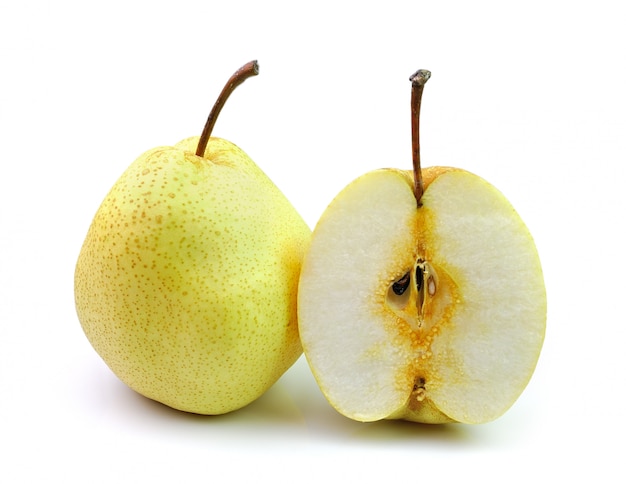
(432, 314)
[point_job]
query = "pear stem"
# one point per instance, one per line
(248, 70)
(418, 80)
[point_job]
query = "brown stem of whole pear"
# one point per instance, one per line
(418, 80)
(248, 70)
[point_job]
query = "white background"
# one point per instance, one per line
(530, 95)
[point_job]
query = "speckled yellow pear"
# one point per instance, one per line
(421, 296)
(186, 284)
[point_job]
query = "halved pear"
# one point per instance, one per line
(430, 310)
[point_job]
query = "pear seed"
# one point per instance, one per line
(419, 277)
(432, 287)
(402, 284)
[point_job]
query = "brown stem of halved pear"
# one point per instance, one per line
(248, 70)
(418, 80)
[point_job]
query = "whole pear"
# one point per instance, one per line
(186, 284)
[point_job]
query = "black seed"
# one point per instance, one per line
(401, 285)
(419, 278)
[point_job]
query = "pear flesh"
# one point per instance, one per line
(432, 314)
(186, 284)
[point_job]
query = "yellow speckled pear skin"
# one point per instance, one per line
(186, 284)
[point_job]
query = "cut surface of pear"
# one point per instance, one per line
(186, 284)
(432, 314)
